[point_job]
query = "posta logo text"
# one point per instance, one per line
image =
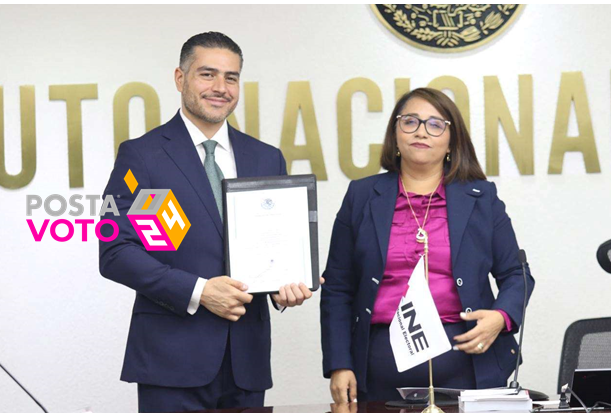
(155, 214)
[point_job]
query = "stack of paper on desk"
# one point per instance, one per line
(504, 400)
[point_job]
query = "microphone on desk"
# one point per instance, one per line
(603, 255)
(24, 389)
(514, 383)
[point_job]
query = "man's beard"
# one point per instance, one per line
(194, 106)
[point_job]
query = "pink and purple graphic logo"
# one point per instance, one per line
(155, 214)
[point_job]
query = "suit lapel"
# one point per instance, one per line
(246, 164)
(182, 151)
(460, 199)
(383, 208)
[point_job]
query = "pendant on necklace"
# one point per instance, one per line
(422, 236)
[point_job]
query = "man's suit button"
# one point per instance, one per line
(459, 282)
(513, 351)
(468, 310)
(368, 310)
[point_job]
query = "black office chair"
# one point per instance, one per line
(587, 345)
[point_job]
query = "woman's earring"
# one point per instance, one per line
(448, 157)
(398, 153)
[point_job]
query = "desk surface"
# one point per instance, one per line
(361, 407)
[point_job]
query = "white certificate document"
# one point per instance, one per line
(269, 238)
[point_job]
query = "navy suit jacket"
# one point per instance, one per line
(167, 346)
(482, 241)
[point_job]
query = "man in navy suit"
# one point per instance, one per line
(197, 339)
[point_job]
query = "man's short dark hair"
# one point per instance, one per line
(208, 40)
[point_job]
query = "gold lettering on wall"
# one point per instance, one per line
(573, 90)
(344, 127)
(460, 91)
(299, 102)
(120, 109)
(299, 99)
(402, 86)
(497, 112)
(28, 140)
(251, 100)
(251, 110)
(233, 121)
(73, 95)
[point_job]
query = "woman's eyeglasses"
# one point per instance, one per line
(433, 126)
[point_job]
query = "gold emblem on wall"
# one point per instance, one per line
(447, 28)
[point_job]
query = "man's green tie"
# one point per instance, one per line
(215, 175)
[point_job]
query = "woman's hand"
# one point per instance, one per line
(479, 339)
(343, 386)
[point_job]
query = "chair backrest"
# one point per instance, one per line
(587, 345)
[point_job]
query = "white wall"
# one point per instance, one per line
(63, 327)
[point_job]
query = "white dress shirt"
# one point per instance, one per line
(223, 155)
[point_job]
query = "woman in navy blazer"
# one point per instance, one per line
(427, 150)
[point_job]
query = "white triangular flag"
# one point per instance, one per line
(416, 332)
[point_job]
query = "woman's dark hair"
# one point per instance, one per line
(463, 165)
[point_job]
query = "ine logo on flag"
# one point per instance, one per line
(416, 333)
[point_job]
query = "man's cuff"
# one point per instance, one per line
(277, 306)
(508, 322)
(196, 296)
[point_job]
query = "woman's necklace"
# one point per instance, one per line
(422, 236)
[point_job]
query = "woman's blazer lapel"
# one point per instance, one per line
(382, 209)
(460, 199)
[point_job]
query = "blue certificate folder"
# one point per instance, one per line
(276, 182)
